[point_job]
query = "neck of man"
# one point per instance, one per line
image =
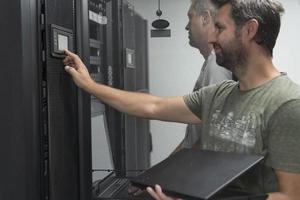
(206, 51)
(257, 70)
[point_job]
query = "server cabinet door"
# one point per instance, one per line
(61, 103)
(143, 137)
(129, 56)
(137, 140)
(19, 138)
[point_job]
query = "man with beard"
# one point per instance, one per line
(260, 114)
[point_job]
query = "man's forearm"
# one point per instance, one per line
(279, 196)
(138, 104)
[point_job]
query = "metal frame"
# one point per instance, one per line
(19, 138)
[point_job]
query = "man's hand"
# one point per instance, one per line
(135, 191)
(158, 194)
(75, 67)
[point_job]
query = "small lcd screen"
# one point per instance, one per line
(63, 42)
(129, 59)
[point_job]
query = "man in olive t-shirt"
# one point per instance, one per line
(260, 114)
(252, 122)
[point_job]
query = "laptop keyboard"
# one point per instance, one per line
(116, 189)
(117, 185)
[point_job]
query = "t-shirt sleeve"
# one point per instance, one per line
(194, 102)
(200, 98)
(284, 138)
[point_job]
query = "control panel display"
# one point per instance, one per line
(130, 58)
(63, 42)
(61, 38)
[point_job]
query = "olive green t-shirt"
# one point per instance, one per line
(264, 121)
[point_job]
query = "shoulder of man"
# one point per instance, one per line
(277, 94)
(284, 89)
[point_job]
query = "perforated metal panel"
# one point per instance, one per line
(62, 110)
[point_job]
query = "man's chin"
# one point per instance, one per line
(220, 61)
(192, 44)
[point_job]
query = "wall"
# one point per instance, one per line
(174, 65)
(286, 52)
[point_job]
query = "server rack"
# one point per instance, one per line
(118, 57)
(131, 36)
(126, 67)
(45, 119)
(20, 149)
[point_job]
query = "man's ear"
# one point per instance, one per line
(251, 28)
(206, 17)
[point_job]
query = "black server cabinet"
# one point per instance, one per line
(19, 139)
(104, 68)
(118, 57)
(133, 57)
(143, 135)
(45, 123)
(130, 84)
(67, 108)
(61, 101)
(45, 120)
(124, 66)
(100, 41)
(137, 136)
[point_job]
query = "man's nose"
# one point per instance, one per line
(187, 27)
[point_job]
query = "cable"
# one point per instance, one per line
(115, 170)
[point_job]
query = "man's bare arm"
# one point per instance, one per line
(138, 104)
(289, 186)
(145, 105)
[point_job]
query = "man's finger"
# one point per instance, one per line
(68, 53)
(67, 63)
(67, 59)
(138, 192)
(70, 70)
(71, 64)
(160, 193)
(72, 56)
(152, 193)
(132, 189)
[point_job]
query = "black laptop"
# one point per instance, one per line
(199, 174)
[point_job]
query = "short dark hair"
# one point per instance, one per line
(266, 12)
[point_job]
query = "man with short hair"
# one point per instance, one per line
(260, 114)
(200, 26)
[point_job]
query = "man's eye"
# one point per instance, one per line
(219, 28)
